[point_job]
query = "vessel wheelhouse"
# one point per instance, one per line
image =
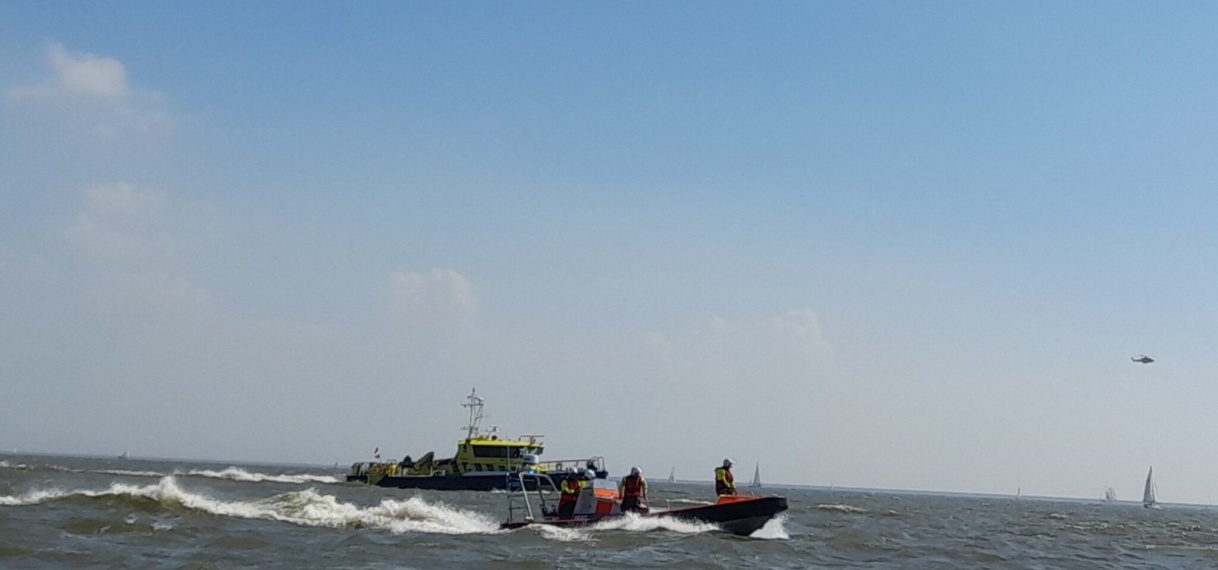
(483, 461)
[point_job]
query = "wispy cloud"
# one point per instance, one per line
(88, 74)
(155, 292)
(439, 297)
(120, 222)
(123, 234)
(782, 347)
(95, 88)
(77, 75)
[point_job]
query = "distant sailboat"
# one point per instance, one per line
(672, 475)
(756, 477)
(1148, 494)
(125, 455)
(1110, 495)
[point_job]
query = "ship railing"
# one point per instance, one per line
(565, 466)
(520, 506)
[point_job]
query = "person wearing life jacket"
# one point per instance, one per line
(633, 489)
(570, 489)
(724, 483)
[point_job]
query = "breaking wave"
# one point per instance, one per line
(131, 473)
(843, 508)
(305, 508)
(230, 473)
(238, 474)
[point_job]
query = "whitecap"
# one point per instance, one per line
(843, 508)
(238, 474)
(306, 508)
(128, 473)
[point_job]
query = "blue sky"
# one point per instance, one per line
(906, 245)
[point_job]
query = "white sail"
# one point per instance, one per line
(1148, 494)
(756, 476)
(672, 475)
(1110, 494)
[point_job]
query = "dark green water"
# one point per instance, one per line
(66, 512)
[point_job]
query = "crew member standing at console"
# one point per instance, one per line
(633, 489)
(570, 488)
(724, 483)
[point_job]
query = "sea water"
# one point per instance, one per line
(72, 512)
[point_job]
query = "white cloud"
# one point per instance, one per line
(438, 297)
(89, 74)
(120, 222)
(124, 236)
(77, 75)
(93, 90)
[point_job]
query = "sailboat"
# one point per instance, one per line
(1110, 495)
(672, 475)
(756, 477)
(1148, 494)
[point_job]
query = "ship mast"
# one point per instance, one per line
(475, 414)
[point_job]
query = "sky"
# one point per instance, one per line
(905, 245)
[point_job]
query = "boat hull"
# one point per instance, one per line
(741, 516)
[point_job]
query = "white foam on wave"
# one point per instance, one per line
(563, 534)
(774, 529)
(841, 508)
(239, 474)
(306, 508)
(635, 523)
(32, 498)
(131, 473)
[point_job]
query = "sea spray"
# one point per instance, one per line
(307, 507)
(238, 474)
(635, 523)
(563, 534)
(774, 529)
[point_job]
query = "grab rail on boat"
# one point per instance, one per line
(518, 492)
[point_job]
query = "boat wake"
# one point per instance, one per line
(634, 523)
(305, 508)
(691, 501)
(774, 529)
(627, 523)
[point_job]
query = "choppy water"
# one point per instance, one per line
(60, 512)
